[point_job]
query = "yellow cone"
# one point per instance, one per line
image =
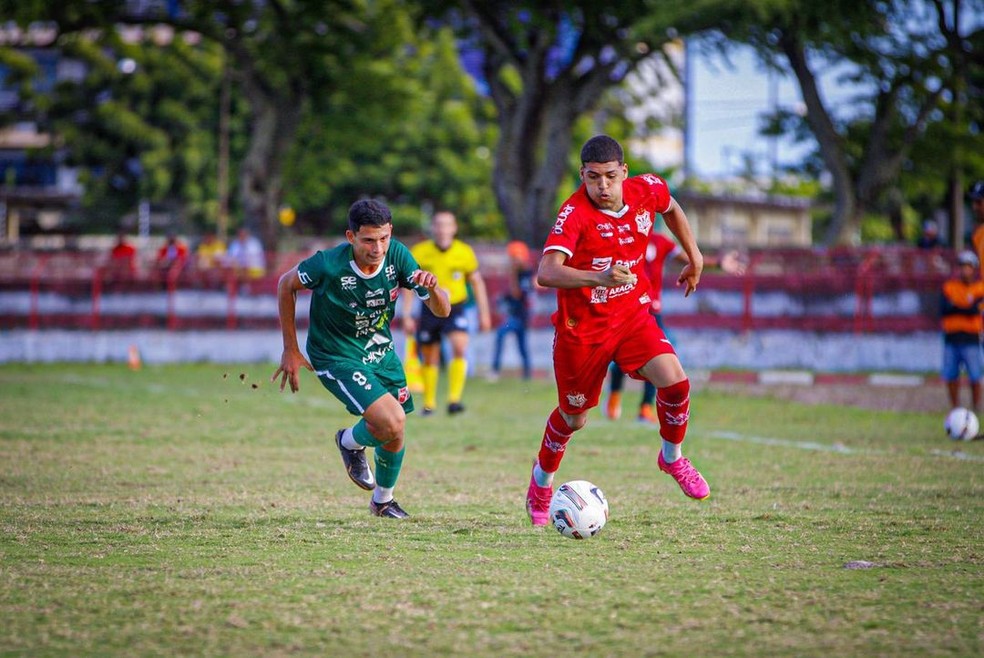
(411, 364)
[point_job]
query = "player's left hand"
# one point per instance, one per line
(689, 277)
(426, 279)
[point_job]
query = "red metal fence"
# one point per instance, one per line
(883, 289)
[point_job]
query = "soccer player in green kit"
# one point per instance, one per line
(354, 288)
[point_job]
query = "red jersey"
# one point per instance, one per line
(659, 249)
(595, 239)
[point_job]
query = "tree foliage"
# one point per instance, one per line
(914, 67)
(546, 65)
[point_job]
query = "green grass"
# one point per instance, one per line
(181, 510)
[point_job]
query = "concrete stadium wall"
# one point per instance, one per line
(699, 350)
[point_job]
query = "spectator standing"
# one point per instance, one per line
(122, 258)
(515, 304)
(210, 253)
(962, 326)
(172, 255)
(246, 255)
(930, 236)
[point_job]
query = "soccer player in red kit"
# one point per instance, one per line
(594, 257)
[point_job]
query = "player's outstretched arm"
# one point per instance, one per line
(437, 301)
(291, 360)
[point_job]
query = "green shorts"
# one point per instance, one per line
(358, 385)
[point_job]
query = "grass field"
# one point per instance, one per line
(196, 510)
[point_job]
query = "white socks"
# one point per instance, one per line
(541, 477)
(348, 441)
(671, 452)
(382, 495)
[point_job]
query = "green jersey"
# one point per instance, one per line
(351, 311)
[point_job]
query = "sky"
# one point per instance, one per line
(726, 103)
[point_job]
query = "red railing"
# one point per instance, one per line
(840, 290)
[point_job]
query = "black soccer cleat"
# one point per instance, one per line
(355, 464)
(455, 408)
(390, 509)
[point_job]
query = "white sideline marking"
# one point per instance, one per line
(797, 377)
(958, 454)
(788, 443)
(885, 379)
(836, 447)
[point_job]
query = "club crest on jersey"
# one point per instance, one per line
(644, 221)
(577, 400)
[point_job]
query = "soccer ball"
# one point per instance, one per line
(579, 509)
(962, 424)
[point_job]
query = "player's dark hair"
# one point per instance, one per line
(368, 212)
(602, 148)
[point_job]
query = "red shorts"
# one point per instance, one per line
(580, 369)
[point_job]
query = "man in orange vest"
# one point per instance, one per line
(962, 327)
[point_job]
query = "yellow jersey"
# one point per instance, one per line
(451, 266)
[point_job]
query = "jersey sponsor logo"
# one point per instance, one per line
(576, 400)
(374, 293)
(348, 283)
(651, 179)
(562, 216)
(372, 303)
(628, 263)
(599, 295)
(624, 228)
(391, 272)
(304, 277)
(601, 264)
(618, 291)
(394, 294)
(626, 240)
(403, 395)
(605, 229)
(375, 356)
(645, 299)
(377, 339)
(644, 221)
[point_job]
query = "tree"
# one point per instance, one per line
(283, 54)
(908, 59)
(141, 123)
(546, 65)
(410, 127)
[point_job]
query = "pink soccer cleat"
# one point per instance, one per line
(692, 482)
(538, 502)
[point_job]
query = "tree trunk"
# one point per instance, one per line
(275, 120)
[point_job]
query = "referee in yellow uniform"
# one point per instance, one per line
(456, 267)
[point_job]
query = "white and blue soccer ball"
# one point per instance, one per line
(578, 509)
(962, 424)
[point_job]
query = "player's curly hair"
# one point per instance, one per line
(368, 212)
(602, 148)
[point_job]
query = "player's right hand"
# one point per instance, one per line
(290, 366)
(619, 275)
